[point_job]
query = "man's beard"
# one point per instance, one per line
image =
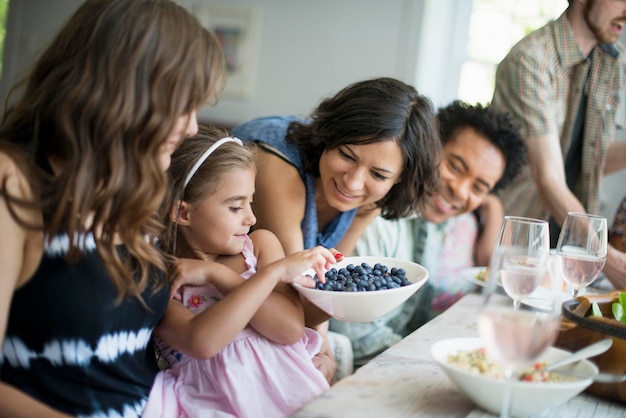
(602, 36)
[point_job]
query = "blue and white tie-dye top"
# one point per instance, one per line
(69, 345)
(272, 131)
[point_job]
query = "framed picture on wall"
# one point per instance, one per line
(238, 30)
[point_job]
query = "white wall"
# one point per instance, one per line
(307, 49)
(311, 49)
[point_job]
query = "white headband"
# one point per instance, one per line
(205, 155)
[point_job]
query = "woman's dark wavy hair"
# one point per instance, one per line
(376, 110)
(102, 99)
(498, 127)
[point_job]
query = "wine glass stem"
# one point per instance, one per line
(574, 293)
(507, 399)
(516, 304)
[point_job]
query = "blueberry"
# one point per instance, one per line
(363, 278)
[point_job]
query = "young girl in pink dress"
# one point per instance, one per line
(264, 369)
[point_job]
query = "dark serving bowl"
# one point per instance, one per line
(580, 328)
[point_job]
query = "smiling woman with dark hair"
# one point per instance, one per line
(482, 152)
(372, 148)
(373, 145)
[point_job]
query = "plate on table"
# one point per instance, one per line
(475, 275)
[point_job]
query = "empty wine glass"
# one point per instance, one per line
(582, 246)
(522, 249)
(515, 338)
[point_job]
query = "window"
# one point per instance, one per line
(494, 27)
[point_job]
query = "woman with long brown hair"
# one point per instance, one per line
(83, 154)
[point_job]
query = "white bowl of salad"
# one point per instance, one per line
(465, 362)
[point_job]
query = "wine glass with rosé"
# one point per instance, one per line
(515, 337)
(522, 249)
(582, 247)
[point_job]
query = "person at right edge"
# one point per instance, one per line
(562, 85)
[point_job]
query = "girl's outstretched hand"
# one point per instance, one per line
(300, 267)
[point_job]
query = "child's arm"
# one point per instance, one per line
(281, 317)
(206, 334)
(491, 213)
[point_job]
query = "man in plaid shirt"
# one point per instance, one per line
(562, 85)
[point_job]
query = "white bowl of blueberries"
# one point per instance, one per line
(362, 289)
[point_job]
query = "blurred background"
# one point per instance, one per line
(284, 56)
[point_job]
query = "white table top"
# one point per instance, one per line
(405, 381)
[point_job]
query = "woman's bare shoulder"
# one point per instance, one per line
(269, 159)
(262, 238)
(267, 247)
(21, 258)
(13, 177)
(277, 177)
